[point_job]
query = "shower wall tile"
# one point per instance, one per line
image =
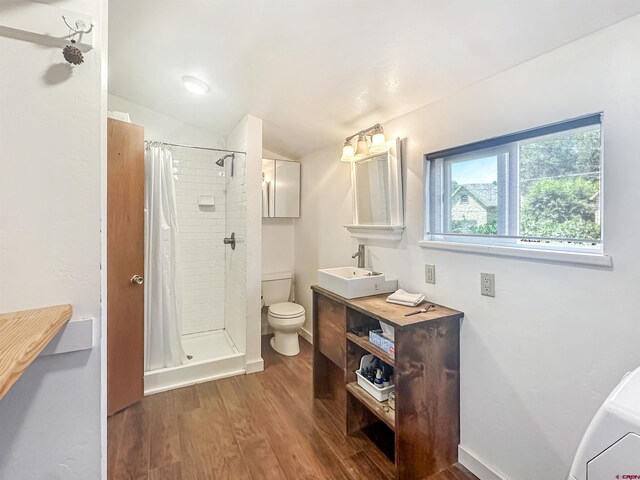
(201, 253)
(236, 260)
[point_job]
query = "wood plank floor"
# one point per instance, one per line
(261, 426)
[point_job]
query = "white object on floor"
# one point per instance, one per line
(214, 357)
(284, 317)
(404, 298)
(610, 447)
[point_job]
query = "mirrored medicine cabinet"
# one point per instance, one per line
(376, 182)
(280, 188)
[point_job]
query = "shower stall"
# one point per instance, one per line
(207, 229)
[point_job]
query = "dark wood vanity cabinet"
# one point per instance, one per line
(424, 428)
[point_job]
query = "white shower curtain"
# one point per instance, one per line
(163, 313)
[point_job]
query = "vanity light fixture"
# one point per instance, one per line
(378, 144)
(364, 146)
(347, 152)
(195, 85)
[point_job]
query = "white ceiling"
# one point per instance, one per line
(317, 70)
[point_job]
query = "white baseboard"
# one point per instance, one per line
(306, 335)
(255, 366)
(471, 462)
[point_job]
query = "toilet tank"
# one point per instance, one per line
(276, 287)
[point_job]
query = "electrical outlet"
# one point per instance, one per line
(430, 273)
(488, 284)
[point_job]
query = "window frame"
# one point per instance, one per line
(508, 179)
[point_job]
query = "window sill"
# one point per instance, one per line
(552, 256)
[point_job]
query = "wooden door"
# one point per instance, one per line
(125, 265)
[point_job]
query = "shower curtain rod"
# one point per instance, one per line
(199, 148)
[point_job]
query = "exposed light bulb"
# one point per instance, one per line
(347, 152)
(195, 85)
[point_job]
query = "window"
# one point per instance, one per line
(534, 189)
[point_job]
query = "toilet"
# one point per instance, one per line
(284, 317)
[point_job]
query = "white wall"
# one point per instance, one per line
(540, 357)
(158, 126)
(52, 132)
(277, 244)
(244, 217)
(254, 242)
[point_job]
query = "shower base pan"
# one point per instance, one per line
(214, 356)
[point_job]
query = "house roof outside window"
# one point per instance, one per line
(485, 193)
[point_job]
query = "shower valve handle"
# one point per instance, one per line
(137, 279)
(231, 241)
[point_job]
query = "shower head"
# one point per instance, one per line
(220, 162)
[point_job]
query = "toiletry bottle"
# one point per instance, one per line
(370, 375)
(386, 375)
(378, 382)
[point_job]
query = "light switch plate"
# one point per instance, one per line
(488, 284)
(430, 273)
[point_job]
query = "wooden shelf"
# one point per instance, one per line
(375, 407)
(376, 307)
(365, 344)
(23, 335)
(426, 422)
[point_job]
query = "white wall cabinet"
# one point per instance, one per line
(280, 188)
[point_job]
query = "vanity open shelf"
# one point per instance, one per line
(379, 409)
(424, 428)
(365, 344)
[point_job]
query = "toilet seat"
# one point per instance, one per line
(286, 310)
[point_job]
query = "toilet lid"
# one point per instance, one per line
(286, 310)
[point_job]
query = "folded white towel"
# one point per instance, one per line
(404, 298)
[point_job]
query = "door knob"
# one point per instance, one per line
(137, 279)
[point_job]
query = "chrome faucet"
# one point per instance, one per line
(360, 255)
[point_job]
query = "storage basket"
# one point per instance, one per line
(380, 394)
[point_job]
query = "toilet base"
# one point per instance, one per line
(286, 343)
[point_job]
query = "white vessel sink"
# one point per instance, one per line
(351, 282)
